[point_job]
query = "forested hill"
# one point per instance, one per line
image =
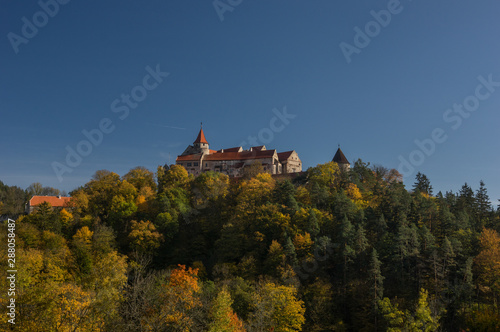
(325, 251)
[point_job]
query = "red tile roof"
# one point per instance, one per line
(244, 155)
(189, 157)
(285, 155)
(54, 201)
(201, 137)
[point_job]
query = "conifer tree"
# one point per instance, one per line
(312, 224)
(289, 250)
(360, 240)
(422, 184)
(348, 252)
(376, 282)
(483, 206)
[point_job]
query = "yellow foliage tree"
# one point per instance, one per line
(144, 237)
(303, 245)
(488, 262)
(324, 174)
(223, 317)
(71, 306)
(276, 308)
(107, 284)
(84, 235)
(65, 216)
(210, 186)
(255, 192)
(302, 195)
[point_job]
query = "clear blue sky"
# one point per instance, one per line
(232, 73)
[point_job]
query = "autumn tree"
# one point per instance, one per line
(222, 315)
(178, 298)
(175, 176)
(209, 186)
(140, 177)
(276, 308)
(324, 174)
(423, 319)
(144, 237)
(488, 264)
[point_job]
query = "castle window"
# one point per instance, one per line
(195, 164)
(189, 164)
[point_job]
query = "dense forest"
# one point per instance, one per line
(325, 250)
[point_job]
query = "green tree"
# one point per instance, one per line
(284, 194)
(312, 224)
(483, 206)
(422, 184)
(376, 281)
(289, 251)
(275, 260)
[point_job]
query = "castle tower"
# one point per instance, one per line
(341, 160)
(201, 143)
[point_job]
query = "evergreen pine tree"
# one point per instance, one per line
(376, 281)
(312, 224)
(483, 206)
(289, 250)
(422, 184)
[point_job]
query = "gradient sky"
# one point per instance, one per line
(232, 73)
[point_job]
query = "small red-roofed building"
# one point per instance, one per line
(54, 201)
(198, 158)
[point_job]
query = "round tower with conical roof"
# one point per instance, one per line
(341, 160)
(201, 142)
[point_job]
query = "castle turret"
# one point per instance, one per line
(201, 142)
(341, 160)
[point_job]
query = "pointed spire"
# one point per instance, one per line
(201, 136)
(339, 157)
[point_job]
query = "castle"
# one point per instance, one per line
(199, 158)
